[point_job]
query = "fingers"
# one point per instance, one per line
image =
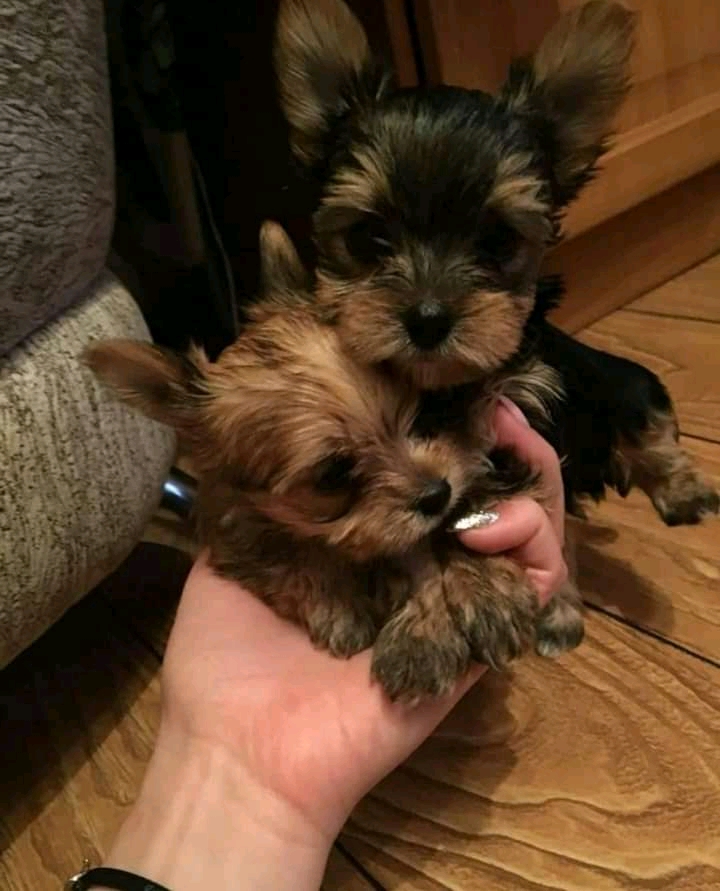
(513, 431)
(524, 532)
(532, 534)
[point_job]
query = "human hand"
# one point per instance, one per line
(267, 744)
(533, 534)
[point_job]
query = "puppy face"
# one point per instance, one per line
(438, 204)
(431, 237)
(287, 425)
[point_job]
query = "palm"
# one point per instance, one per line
(309, 727)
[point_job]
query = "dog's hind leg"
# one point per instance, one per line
(654, 461)
(618, 428)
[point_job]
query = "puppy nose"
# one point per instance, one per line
(434, 499)
(428, 323)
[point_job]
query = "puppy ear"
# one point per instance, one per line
(163, 385)
(325, 69)
(575, 84)
(281, 268)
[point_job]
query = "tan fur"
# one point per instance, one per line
(319, 45)
(560, 625)
(282, 271)
(518, 194)
(367, 317)
(534, 387)
(149, 378)
(421, 651)
(360, 186)
(584, 61)
(467, 608)
(358, 560)
(660, 467)
(490, 329)
(594, 38)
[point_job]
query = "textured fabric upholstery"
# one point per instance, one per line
(80, 473)
(56, 157)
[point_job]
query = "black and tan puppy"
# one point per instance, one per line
(437, 207)
(315, 492)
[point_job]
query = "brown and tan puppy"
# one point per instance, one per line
(316, 492)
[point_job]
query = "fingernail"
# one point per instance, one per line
(476, 520)
(514, 410)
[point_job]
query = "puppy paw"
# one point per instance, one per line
(560, 626)
(685, 499)
(341, 630)
(499, 632)
(412, 664)
(658, 464)
(494, 606)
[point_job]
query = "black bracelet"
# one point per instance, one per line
(106, 877)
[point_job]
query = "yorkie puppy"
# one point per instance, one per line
(316, 493)
(437, 206)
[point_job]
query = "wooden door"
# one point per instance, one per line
(669, 129)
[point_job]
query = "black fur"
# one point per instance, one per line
(448, 198)
(606, 398)
(441, 149)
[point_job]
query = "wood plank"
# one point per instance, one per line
(669, 126)
(662, 579)
(693, 295)
(599, 771)
(467, 43)
(342, 875)
(638, 250)
(403, 55)
(683, 352)
(648, 160)
(661, 91)
(80, 710)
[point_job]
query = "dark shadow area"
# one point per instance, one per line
(63, 696)
(614, 585)
(201, 142)
(144, 595)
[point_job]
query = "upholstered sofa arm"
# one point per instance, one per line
(80, 475)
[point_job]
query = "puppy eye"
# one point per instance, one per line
(334, 473)
(368, 240)
(498, 245)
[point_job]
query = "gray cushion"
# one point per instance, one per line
(56, 157)
(80, 474)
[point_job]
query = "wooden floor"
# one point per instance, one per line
(598, 772)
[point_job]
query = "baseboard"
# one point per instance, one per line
(638, 250)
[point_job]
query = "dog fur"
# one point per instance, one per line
(351, 401)
(437, 205)
(316, 492)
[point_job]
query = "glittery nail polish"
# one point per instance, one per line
(476, 521)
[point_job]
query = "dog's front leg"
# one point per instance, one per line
(469, 607)
(493, 604)
(422, 650)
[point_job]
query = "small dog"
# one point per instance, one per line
(315, 492)
(437, 206)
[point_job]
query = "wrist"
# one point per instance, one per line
(200, 822)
